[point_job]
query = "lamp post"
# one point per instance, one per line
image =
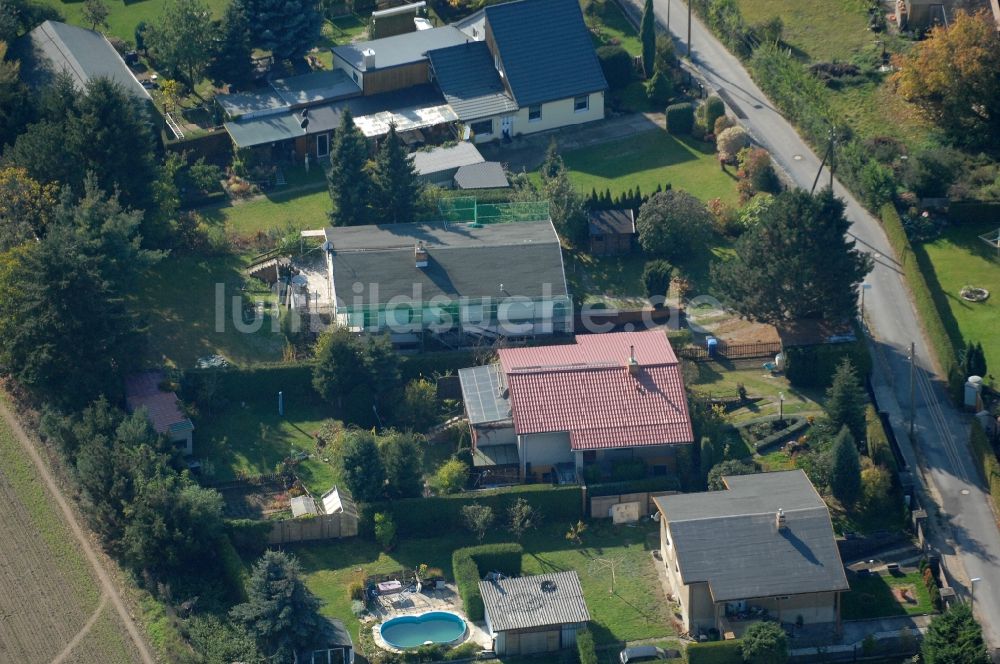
(781, 406)
(972, 591)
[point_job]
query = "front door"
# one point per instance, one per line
(507, 126)
(322, 145)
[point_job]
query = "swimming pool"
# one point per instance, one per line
(411, 631)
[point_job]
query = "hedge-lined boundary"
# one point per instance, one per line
(716, 652)
(814, 366)
(940, 342)
(986, 459)
(655, 483)
(429, 517)
(470, 564)
(585, 649)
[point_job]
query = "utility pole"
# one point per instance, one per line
(833, 142)
(668, 19)
(913, 404)
(689, 29)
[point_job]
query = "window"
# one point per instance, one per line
(496, 63)
(482, 128)
(322, 145)
(581, 104)
(355, 74)
(534, 113)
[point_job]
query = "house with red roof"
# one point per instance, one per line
(546, 413)
(163, 408)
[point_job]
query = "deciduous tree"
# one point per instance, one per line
(182, 40)
(95, 13)
(26, 207)
(672, 224)
(478, 519)
(796, 263)
(522, 517)
(952, 76)
(15, 98)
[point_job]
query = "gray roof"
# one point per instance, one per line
(730, 539)
(264, 102)
(440, 159)
(469, 81)
(463, 261)
(315, 87)
(534, 601)
(260, 131)
(401, 49)
(55, 47)
(481, 393)
(612, 222)
(545, 49)
(487, 175)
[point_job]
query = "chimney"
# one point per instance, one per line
(633, 364)
(420, 255)
(780, 519)
(369, 58)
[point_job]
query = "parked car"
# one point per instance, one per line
(646, 654)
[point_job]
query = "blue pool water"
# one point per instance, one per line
(412, 631)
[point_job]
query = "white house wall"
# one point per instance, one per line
(544, 450)
(559, 113)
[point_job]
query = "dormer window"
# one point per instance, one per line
(496, 63)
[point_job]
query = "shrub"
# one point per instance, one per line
(711, 111)
(585, 647)
(385, 531)
(450, 477)
(248, 536)
(730, 142)
(877, 183)
(716, 652)
(477, 519)
(471, 563)
(420, 404)
(753, 210)
(986, 460)
(680, 118)
(756, 166)
(616, 63)
(659, 88)
(673, 223)
(722, 123)
(765, 643)
(656, 278)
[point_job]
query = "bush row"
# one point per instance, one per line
(813, 366)
(585, 647)
(974, 212)
(429, 517)
(879, 448)
(941, 343)
(248, 535)
(656, 483)
(986, 459)
(715, 652)
(470, 564)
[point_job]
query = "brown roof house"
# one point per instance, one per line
(612, 232)
(534, 614)
(163, 408)
(763, 549)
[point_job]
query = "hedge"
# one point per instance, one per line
(438, 515)
(933, 325)
(232, 569)
(585, 647)
(470, 564)
(431, 364)
(813, 366)
(616, 63)
(879, 447)
(716, 652)
(248, 535)
(656, 483)
(986, 459)
(974, 212)
(680, 118)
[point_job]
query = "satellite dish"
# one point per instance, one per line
(304, 123)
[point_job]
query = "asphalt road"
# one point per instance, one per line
(966, 520)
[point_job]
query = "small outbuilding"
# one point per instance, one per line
(486, 175)
(440, 164)
(163, 408)
(612, 232)
(333, 646)
(534, 614)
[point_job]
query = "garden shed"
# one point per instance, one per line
(612, 232)
(534, 614)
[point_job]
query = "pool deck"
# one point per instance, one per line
(413, 603)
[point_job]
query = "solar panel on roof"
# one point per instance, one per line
(481, 391)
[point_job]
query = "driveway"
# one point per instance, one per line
(970, 536)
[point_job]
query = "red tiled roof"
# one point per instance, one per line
(143, 390)
(585, 388)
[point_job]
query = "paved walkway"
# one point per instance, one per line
(527, 152)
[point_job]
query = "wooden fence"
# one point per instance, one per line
(726, 351)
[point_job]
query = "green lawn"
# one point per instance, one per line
(636, 609)
(124, 16)
(959, 258)
(291, 211)
(178, 300)
(611, 27)
(823, 31)
(872, 596)
(649, 159)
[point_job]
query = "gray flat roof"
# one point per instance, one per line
(481, 392)
(315, 87)
(463, 261)
(401, 49)
(487, 175)
(730, 538)
(55, 47)
(534, 601)
(440, 159)
(261, 102)
(469, 81)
